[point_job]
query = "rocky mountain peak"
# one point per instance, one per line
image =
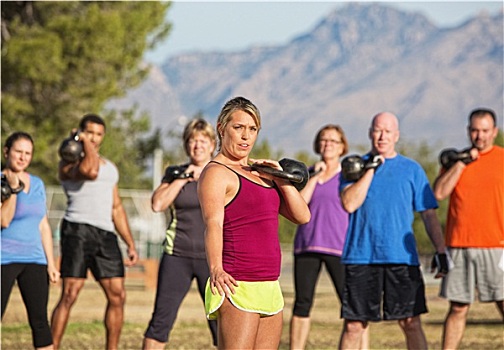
(360, 59)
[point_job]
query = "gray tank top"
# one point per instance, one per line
(90, 202)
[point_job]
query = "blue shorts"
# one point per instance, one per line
(401, 287)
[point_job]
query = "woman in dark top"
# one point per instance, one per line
(184, 247)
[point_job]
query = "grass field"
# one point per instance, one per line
(85, 331)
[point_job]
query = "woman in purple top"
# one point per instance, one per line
(26, 239)
(319, 242)
(240, 210)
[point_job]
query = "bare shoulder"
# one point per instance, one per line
(218, 181)
(215, 173)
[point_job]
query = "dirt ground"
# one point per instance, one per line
(85, 330)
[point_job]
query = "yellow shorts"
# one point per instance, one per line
(264, 298)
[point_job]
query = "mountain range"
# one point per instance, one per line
(360, 59)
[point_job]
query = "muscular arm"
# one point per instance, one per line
(8, 210)
(85, 169)
(354, 195)
(292, 206)
(213, 185)
(433, 228)
(307, 192)
(446, 182)
(121, 225)
(9, 206)
(47, 244)
(165, 194)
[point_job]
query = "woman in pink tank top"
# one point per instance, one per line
(240, 210)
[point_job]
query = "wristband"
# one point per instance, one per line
(19, 189)
(440, 262)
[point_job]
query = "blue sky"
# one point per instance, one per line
(234, 26)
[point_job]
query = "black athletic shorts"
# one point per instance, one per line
(86, 247)
(401, 287)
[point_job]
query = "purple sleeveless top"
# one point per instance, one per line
(326, 231)
(251, 250)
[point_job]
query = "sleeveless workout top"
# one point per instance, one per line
(326, 231)
(90, 201)
(251, 249)
(185, 235)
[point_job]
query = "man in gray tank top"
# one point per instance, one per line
(94, 211)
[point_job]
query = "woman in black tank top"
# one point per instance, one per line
(184, 249)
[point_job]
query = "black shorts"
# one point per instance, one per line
(401, 287)
(86, 247)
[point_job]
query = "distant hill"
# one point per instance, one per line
(359, 60)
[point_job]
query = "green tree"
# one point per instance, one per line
(61, 60)
(499, 140)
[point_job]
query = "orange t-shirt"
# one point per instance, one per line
(476, 211)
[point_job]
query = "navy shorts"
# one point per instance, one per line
(86, 247)
(401, 287)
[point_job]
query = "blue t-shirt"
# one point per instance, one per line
(380, 230)
(22, 241)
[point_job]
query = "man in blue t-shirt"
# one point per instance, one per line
(380, 255)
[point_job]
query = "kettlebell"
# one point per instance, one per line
(174, 172)
(6, 189)
(352, 167)
(71, 149)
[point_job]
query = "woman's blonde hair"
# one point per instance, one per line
(236, 104)
(194, 126)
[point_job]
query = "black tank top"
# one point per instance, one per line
(185, 235)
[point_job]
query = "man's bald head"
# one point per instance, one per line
(385, 118)
(384, 134)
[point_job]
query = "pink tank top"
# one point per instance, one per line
(251, 249)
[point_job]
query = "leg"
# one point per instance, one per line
(152, 344)
(33, 284)
(404, 300)
(69, 293)
(9, 274)
(365, 341)
(352, 334)
(362, 299)
(174, 280)
(202, 274)
(490, 276)
(336, 271)
(306, 273)
(299, 330)
(454, 325)
(500, 307)
(237, 329)
(412, 328)
(114, 314)
(270, 331)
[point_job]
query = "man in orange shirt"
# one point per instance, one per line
(475, 225)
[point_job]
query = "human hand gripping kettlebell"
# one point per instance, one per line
(11, 184)
(71, 149)
(450, 156)
(354, 166)
(293, 170)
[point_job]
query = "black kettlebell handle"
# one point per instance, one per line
(277, 173)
